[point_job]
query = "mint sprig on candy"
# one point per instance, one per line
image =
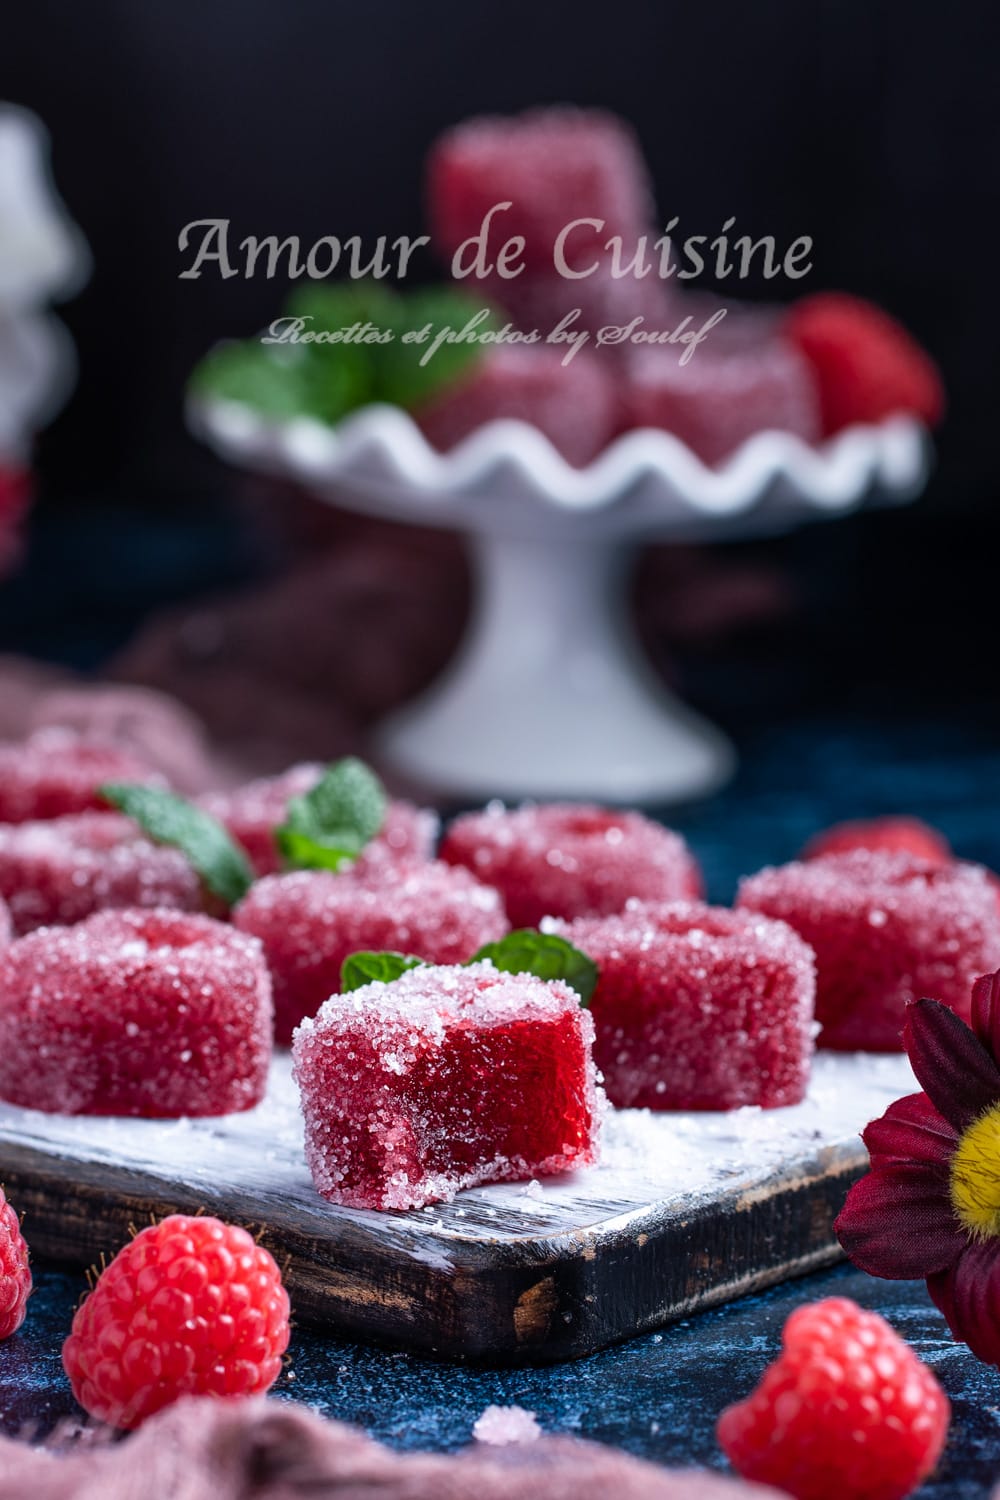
(330, 825)
(369, 968)
(169, 819)
(524, 952)
(545, 955)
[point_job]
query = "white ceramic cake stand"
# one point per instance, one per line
(549, 694)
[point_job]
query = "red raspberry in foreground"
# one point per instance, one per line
(15, 1275)
(61, 870)
(847, 1411)
(571, 859)
(866, 364)
(191, 1307)
(575, 406)
(57, 771)
(153, 1013)
(445, 1079)
(886, 929)
(252, 813)
(697, 1007)
(309, 921)
(895, 835)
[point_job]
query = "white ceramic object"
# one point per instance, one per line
(549, 695)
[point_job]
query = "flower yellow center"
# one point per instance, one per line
(975, 1176)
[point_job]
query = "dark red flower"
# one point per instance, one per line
(930, 1206)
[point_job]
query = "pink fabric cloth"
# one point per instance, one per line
(267, 1450)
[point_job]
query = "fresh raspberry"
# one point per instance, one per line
(57, 771)
(571, 859)
(895, 835)
(190, 1307)
(847, 1410)
(15, 1274)
(575, 406)
(866, 364)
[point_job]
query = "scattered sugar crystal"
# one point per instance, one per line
(500, 1425)
(697, 1007)
(557, 859)
(887, 928)
(499, 1086)
(311, 920)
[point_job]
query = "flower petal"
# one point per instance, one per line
(898, 1222)
(986, 1012)
(911, 1130)
(968, 1294)
(952, 1066)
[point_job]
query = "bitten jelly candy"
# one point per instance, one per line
(64, 869)
(309, 921)
(886, 929)
(157, 1013)
(697, 1007)
(445, 1079)
(571, 859)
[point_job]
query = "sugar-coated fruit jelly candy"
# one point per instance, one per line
(565, 859)
(64, 869)
(574, 405)
(886, 928)
(57, 771)
(697, 1007)
(252, 812)
(552, 166)
(717, 400)
(900, 835)
(309, 921)
(157, 1013)
(445, 1079)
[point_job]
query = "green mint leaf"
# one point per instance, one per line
(169, 819)
(331, 824)
(400, 377)
(368, 968)
(544, 955)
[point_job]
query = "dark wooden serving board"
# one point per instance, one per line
(685, 1211)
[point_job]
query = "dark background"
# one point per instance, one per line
(870, 126)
